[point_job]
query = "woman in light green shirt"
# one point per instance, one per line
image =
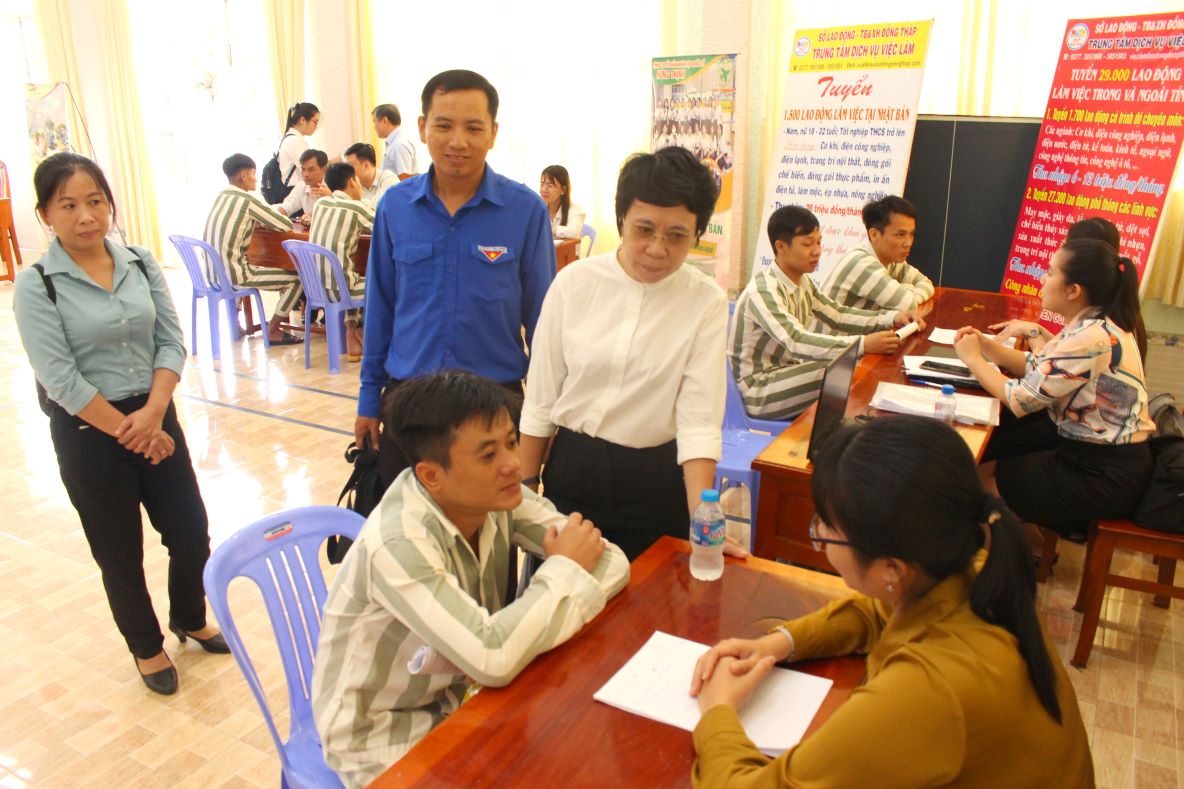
(103, 338)
(963, 688)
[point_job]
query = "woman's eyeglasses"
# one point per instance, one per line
(819, 543)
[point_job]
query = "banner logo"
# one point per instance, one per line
(801, 46)
(1077, 36)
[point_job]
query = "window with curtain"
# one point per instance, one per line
(574, 84)
(205, 93)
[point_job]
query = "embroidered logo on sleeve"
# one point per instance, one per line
(492, 253)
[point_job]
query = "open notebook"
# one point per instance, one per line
(654, 684)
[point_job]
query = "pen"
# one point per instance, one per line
(925, 383)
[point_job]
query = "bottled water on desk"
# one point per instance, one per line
(707, 538)
(946, 405)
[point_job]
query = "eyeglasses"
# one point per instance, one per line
(819, 543)
(647, 233)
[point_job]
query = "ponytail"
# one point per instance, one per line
(1110, 282)
(1004, 594)
(1124, 309)
(300, 111)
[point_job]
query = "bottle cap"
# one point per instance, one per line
(711, 494)
(947, 389)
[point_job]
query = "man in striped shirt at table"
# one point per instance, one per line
(229, 229)
(876, 275)
(337, 222)
(778, 362)
(419, 612)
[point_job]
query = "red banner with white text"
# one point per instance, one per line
(1108, 144)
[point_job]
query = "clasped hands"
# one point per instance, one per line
(729, 671)
(141, 432)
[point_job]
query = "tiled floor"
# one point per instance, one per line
(267, 434)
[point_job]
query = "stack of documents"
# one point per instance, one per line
(946, 337)
(919, 400)
(655, 683)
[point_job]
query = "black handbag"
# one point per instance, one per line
(362, 492)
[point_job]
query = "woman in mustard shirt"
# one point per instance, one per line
(963, 688)
(103, 338)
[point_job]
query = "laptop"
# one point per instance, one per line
(832, 400)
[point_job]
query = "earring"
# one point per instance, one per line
(890, 588)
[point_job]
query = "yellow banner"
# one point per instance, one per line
(890, 45)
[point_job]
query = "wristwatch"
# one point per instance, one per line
(1032, 334)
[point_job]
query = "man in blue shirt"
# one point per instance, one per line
(460, 260)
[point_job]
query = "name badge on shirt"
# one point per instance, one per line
(492, 253)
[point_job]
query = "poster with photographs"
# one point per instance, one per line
(46, 108)
(694, 107)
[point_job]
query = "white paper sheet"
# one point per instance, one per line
(946, 337)
(654, 684)
(920, 400)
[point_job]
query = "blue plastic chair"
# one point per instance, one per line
(588, 232)
(279, 553)
(217, 292)
(304, 256)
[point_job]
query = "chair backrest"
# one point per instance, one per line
(304, 255)
(212, 277)
(4, 192)
(735, 414)
(588, 232)
(280, 554)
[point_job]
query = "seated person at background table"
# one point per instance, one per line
(1036, 335)
(299, 202)
(337, 222)
(428, 573)
(626, 365)
(876, 275)
(963, 687)
(374, 181)
(778, 362)
(567, 218)
(399, 158)
(1090, 459)
(229, 229)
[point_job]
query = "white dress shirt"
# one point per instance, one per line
(400, 153)
(383, 180)
(299, 199)
(292, 147)
(575, 222)
(631, 363)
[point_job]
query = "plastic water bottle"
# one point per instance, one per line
(707, 538)
(946, 405)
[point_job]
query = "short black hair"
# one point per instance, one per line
(57, 169)
(388, 111)
(236, 163)
(789, 221)
(424, 413)
(312, 153)
(670, 177)
(458, 79)
(362, 150)
(338, 175)
(301, 111)
(878, 213)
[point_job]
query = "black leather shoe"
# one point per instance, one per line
(215, 644)
(164, 682)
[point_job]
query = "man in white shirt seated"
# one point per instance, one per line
(400, 149)
(419, 612)
(299, 203)
(374, 181)
(876, 274)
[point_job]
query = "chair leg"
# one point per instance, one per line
(307, 335)
(193, 328)
(1096, 570)
(213, 307)
(232, 318)
(334, 337)
(1047, 553)
(1167, 577)
(262, 319)
(1082, 590)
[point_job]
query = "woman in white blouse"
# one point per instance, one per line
(626, 366)
(567, 218)
(303, 119)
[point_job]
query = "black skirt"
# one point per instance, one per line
(633, 496)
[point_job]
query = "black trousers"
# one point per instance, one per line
(634, 496)
(107, 484)
(391, 458)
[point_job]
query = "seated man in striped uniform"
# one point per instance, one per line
(778, 362)
(337, 222)
(229, 229)
(419, 610)
(876, 275)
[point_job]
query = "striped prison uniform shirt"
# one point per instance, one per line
(337, 222)
(411, 581)
(229, 229)
(777, 361)
(860, 280)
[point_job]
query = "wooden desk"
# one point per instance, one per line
(786, 505)
(544, 728)
(566, 251)
(266, 250)
(10, 250)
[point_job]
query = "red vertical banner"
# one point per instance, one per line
(1108, 144)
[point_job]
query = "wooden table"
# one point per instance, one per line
(566, 251)
(266, 250)
(786, 505)
(544, 729)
